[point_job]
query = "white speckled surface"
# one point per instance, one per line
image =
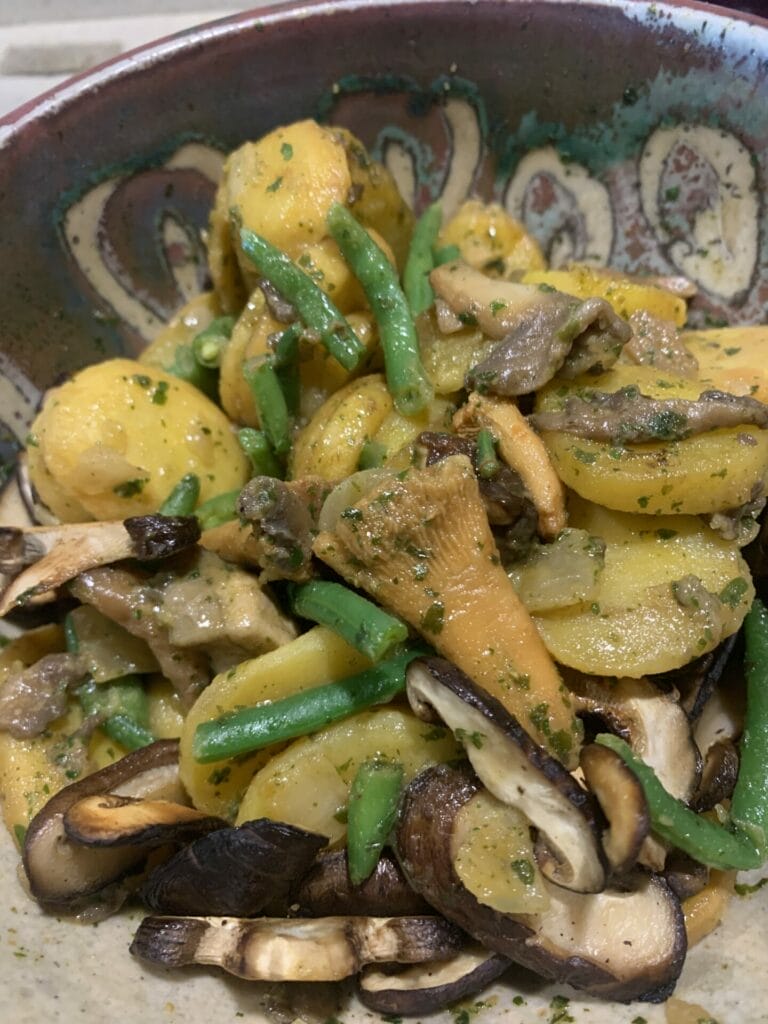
(53, 970)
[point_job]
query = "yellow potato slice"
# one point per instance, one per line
(703, 474)
(734, 359)
(639, 620)
(624, 295)
(492, 241)
(315, 658)
(308, 783)
(118, 436)
(330, 445)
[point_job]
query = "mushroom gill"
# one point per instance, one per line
(422, 546)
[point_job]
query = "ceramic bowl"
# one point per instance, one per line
(621, 132)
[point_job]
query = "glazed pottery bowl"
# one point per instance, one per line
(621, 132)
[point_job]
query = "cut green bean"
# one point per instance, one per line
(446, 254)
(420, 261)
(122, 707)
(258, 449)
(487, 463)
(738, 848)
(241, 732)
(186, 367)
(749, 805)
(371, 814)
(208, 346)
(218, 510)
(311, 303)
(270, 403)
(286, 363)
(372, 455)
(407, 381)
(183, 498)
(357, 620)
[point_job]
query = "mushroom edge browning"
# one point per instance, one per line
(622, 945)
(421, 545)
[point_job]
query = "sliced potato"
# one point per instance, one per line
(642, 619)
(626, 296)
(492, 241)
(314, 658)
(308, 783)
(702, 474)
(118, 436)
(330, 445)
(734, 359)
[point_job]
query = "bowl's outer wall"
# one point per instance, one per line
(577, 66)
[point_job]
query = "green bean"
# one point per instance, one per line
(447, 254)
(123, 708)
(258, 449)
(372, 455)
(270, 403)
(408, 384)
(241, 732)
(183, 498)
(371, 814)
(420, 261)
(208, 346)
(217, 510)
(311, 303)
(357, 620)
(737, 848)
(749, 805)
(286, 363)
(487, 463)
(186, 367)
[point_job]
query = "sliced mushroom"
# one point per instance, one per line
(422, 546)
(62, 872)
(56, 554)
(652, 722)
(696, 681)
(720, 723)
(621, 800)
(238, 871)
(327, 891)
(427, 988)
(523, 450)
(279, 949)
(618, 944)
(516, 770)
(112, 820)
(655, 726)
(120, 594)
(33, 697)
(540, 331)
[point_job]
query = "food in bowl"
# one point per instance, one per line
(430, 557)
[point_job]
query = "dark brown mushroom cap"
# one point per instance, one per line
(61, 872)
(155, 536)
(427, 988)
(326, 890)
(283, 949)
(516, 770)
(239, 871)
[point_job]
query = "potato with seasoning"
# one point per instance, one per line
(708, 472)
(116, 438)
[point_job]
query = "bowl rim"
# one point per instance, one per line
(165, 48)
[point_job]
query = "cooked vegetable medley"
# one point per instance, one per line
(391, 597)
